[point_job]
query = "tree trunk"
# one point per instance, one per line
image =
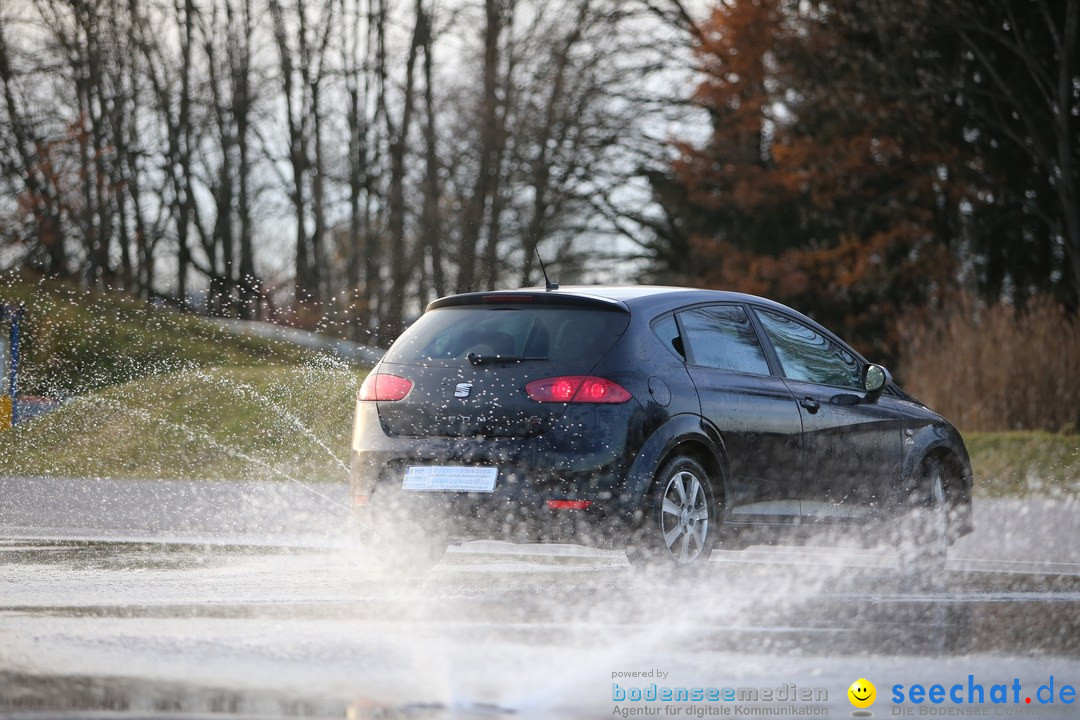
(393, 320)
(541, 165)
(476, 208)
(431, 222)
(249, 286)
(356, 117)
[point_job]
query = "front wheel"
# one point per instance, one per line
(681, 521)
(923, 545)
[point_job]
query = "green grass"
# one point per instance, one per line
(157, 393)
(77, 340)
(224, 423)
(1025, 464)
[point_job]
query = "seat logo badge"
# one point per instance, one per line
(462, 389)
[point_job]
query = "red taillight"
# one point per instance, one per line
(569, 504)
(384, 387)
(578, 389)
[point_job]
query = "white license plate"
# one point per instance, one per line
(450, 478)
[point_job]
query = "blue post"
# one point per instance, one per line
(13, 375)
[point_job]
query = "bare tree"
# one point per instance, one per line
(488, 151)
(356, 51)
(302, 54)
(188, 134)
(241, 36)
(431, 220)
(24, 166)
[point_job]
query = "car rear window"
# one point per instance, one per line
(550, 332)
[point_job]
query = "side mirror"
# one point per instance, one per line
(875, 378)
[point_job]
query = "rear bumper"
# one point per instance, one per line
(558, 465)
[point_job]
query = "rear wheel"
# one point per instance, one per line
(680, 523)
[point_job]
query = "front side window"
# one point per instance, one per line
(721, 336)
(807, 355)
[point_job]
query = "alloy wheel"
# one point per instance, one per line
(684, 517)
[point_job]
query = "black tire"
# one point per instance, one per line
(923, 541)
(680, 521)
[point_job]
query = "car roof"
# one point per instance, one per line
(648, 300)
(657, 298)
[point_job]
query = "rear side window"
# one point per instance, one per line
(807, 355)
(667, 330)
(447, 336)
(721, 336)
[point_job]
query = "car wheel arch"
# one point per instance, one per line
(938, 440)
(697, 449)
(941, 450)
(680, 434)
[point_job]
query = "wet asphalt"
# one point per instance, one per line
(194, 599)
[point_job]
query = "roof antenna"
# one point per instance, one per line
(548, 285)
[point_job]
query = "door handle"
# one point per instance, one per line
(811, 405)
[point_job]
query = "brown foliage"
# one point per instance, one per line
(732, 170)
(816, 186)
(996, 367)
(842, 286)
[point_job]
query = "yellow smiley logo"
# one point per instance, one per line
(862, 693)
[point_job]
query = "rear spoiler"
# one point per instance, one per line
(530, 297)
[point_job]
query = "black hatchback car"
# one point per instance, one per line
(663, 420)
